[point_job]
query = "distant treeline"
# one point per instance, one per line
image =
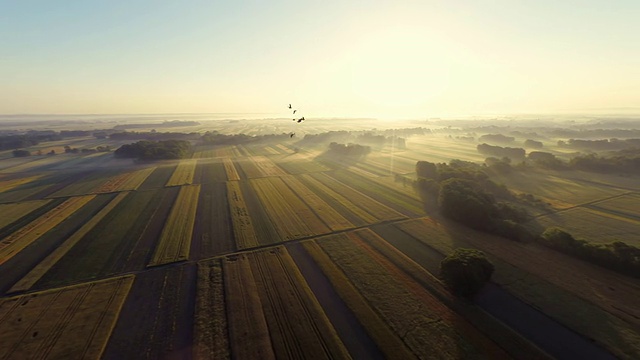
(366, 137)
(152, 135)
(215, 138)
(617, 256)
(69, 150)
(349, 150)
(624, 161)
(600, 145)
(21, 141)
(155, 150)
(496, 138)
(499, 151)
(533, 144)
(594, 133)
(173, 123)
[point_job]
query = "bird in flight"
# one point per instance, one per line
(294, 111)
(289, 106)
(292, 134)
(301, 119)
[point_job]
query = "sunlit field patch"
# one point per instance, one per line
(20, 239)
(175, 240)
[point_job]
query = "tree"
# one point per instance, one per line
(465, 271)
(427, 170)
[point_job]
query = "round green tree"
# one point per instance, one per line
(465, 271)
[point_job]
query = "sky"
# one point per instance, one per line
(405, 59)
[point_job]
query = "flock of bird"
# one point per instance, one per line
(298, 120)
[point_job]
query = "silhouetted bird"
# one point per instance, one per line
(294, 111)
(292, 135)
(301, 119)
(289, 106)
(294, 119)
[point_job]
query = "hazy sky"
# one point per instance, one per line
(330, 58)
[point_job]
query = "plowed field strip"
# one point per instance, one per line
(329, 215)
(25, 236)
(211, 330)
(160, 310)
(175, 240)
(232, 173)
(388, 342)
(244, 312)
(212, 231)
(303, 329)
(243, 229)
(37, 272)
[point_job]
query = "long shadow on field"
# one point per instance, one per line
(156, 321)
(548, 334)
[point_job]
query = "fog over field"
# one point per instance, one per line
(217, 236)
(319, 180)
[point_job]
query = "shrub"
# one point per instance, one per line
(465, 271)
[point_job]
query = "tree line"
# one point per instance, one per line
(155, 150)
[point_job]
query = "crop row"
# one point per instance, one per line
(232, 173)
(426, 325)
(120, 242)
(125, 182)
(39, 270)
(183, 174)
(73, 322)
(291, 217)
(328, 214)
(14, 211)
(7, 185)
(175, 240)
(20, 239)
(271, 311)
(243, 230)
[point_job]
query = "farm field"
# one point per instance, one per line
(71, 322)
(275, 249)
(596, 225)
(547, 280)
(175, 240)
